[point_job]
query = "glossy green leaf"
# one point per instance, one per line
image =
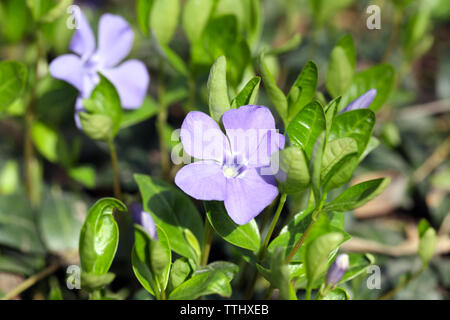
(294, 173)
(335, 154)
(358, 264)
(164, 19)
(306, 126)
(104, 112)
(172, 210)
(306, 83)
(214, 278)
(151, 259)
(358, 195)
(218, 100)
(248, 95)
(277, 96)
(143, 10)
(341, 66)
(380, 77)
(99, 236)
(12, 82)
(317, 254)
(281, 276)
(92, 282)
(245, 236)
(181, 270)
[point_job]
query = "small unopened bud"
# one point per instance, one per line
(144, 219)
(337, 269)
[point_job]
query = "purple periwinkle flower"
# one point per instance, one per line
(363, 101)
(234, 168)
(337, 269)
(115, 39)
(144, 219)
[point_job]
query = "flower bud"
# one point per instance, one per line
(337, 269)
(144, 219)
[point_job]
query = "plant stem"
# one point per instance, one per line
(161, 124)
(29, 119)
(391, 293)
(207, 240)
(299, 243)
(95, 295)
(31, 281)
(262, 250)
(115, 165)
(308, 292)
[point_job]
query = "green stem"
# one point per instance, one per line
(161, 124)
(308, 292)
(207, 240)
(262, 250)
(95, 295)
(391, 293)
(302, 239)
(115, 165)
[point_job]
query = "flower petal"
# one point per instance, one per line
(69, 68)
(203, 180)
(131, 80)
(202, 137)
(246, 128)
(115, 39)
(83, 41)
(248, 195)
(363, 101)
(144, 219)
(271, 143)
(78, 108)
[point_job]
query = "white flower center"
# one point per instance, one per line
(229, 172)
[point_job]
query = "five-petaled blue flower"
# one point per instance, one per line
(115, 39)
(234, 168)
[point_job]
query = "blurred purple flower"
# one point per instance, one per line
(144, 219)
(231, 166)
(115, 39)
(363, 101)
(337, 269)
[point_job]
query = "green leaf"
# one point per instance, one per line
(214, 278)
(281, 275)
(12, 82)
(84, 174)
(164, 19)
(277, 96)
(358, 264)
(341, 66)
(92, 282)
(151, 259)
(293, 231)
(427, 242)
(55, 290)
(306, 126)
(175, 60)
(181, 270)
(50, 143)
(15, 17)
(356, 124)
(201, 10)
(337, 294)
(99, 236)
(317, 254)
(59, 221)
(17, 225)
(193, 242)
(358, 195)
(380, 77)
(306, 83)
(104, 113)
(143, 10)
(248, 95)
(290, 45)
(245, 236)
(9, 178)
(294, 173)
(335, 154)
(171, 210)
(148, 109)
(218, 100)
